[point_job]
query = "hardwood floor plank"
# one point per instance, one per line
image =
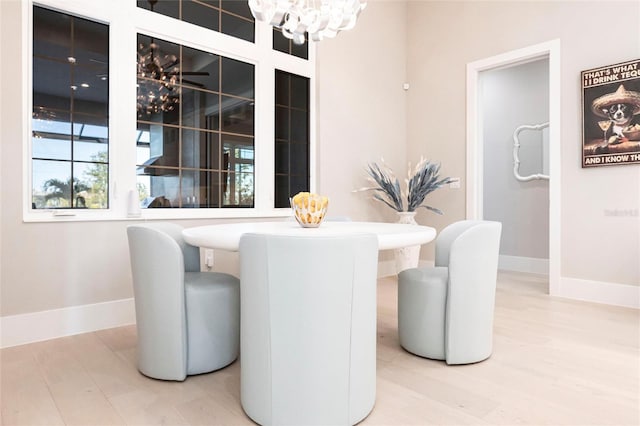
(78, 398)
(458, 396)
(145, 407)
(26, 399)
(224, 387)
(212, 411)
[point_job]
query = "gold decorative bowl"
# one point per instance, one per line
(309, 209)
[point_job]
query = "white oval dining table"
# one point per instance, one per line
(227, 236)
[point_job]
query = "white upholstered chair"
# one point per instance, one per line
(446, 312)
(188, 321)
(308, 337)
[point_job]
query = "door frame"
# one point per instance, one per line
(475, 143)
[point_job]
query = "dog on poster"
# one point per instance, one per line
(619, 107)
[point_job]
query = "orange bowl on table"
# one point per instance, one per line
(309, 209)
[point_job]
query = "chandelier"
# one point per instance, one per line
(319, 18)
(157, 79)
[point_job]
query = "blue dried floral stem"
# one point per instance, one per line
(390, 188)
(423, 182)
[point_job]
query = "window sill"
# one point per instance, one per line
(50, 216)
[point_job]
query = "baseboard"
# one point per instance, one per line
(530, 265)
(571, 288)
(600, 292)
(37, 326)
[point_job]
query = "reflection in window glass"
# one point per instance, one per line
(237, 115)
(70, 140)
(230, 17)
(240, 164)
(291, 136)
(195, 146)
(237, 26)
(97, 132)
(51, 126)
(200, 109)
(167, 8)
(89, 151)
(201, 15)
(237, 78)
(54, 149)
(286, 45)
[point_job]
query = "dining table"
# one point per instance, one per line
(269, 395)
(227, 236)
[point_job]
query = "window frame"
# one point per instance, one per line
(125, 20)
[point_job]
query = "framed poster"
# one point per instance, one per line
(611, 115)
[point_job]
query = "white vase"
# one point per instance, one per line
(407, 257)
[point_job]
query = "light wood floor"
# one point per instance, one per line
(555, 362)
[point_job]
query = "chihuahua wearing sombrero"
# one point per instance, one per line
(619, 107)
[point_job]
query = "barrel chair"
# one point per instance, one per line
(188, 321)
(445, 312)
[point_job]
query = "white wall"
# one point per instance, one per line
(443, 37)
(362, 110)
(512, 97)
(362, 107)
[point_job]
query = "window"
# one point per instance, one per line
(70, 131)
(286, 45)
(197, 132)
(291, 136)
(231, 17)
(196, 111)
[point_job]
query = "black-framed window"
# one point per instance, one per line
(230, 17)
(195, 133)
(292, 137)
(70, 115)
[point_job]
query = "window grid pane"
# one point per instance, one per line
(196, 152)
(291, 137)
(70, 139)
(285, 45)
(232, 18)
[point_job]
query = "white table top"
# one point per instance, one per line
(227, 236)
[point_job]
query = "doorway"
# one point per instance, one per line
(547, 56)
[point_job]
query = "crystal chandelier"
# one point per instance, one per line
(319, 18)
(157, 78)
